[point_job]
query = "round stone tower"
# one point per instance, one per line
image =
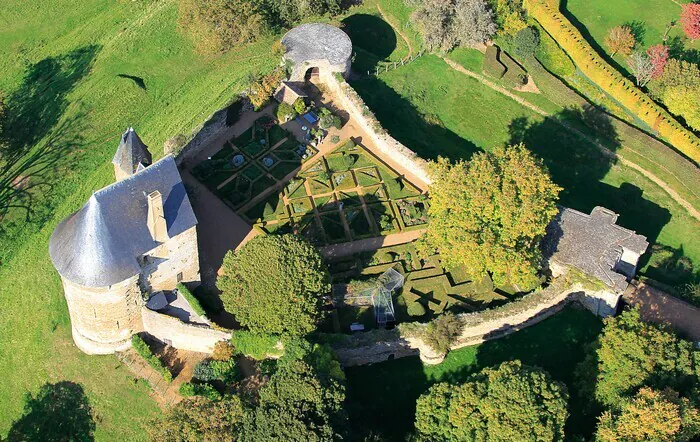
(317, 50)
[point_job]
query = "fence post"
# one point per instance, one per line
(376, 70)
(394, 65)
(386, 69)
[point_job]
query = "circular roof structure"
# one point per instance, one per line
(317, 41)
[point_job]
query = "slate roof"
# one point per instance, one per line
(593, 244)
(131, 152)
(317, 41)
(97, 246)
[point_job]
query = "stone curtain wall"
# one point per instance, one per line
(359, 111)
(192, 337)
(207, 132)
(177, 255)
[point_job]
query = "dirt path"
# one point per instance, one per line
(365, 245)
(658, 181)
(659, 307)
(398, 31)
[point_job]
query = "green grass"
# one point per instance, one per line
(381, 397)
(435, 111)
(596, 17)
(59, 62)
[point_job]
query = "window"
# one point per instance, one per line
(179, 277)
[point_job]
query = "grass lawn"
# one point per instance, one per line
(435, 110)
(61, 63)
(647, 18)
(382, 397)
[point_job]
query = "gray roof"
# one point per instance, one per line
(317, 41)
(131, 152)
(593, 244)
(97, 246)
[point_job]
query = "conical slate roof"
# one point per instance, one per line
(131, 152)
(97, 246)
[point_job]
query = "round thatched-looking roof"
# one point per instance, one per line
(317, 41)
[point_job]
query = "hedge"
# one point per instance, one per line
(492, 66)
(546, 12)
(515, 74)
(191, 299)
(138, 344)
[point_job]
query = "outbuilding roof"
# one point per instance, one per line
(593, 244)
(317, 41)
(131, 153)
(97, 246)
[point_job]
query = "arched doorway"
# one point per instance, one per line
(311, 74)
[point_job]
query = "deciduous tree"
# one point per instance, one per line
(274, 285)
(199, 419)
(651, 415)
(447, 23)
(474, 22)
(690, 20)
(620, 39)
(509, 402)
(490, 214)
(683, 101)
(641, 67)
(658, 55)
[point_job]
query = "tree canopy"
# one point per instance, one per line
(199, 419)
(508, 402)
(490, 214)
(274, 284)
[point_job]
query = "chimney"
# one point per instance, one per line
(156, 217)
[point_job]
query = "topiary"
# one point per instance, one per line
(415, 309)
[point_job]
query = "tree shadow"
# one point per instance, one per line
(677, 49)
(57, 413)
(373, 40)
(425, 134)
(137, 80)
(639, 30)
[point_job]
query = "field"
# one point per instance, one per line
(435, 111)
(647, 18)
(382, 397)
(76, 84)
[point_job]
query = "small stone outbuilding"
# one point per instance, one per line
(317, 50)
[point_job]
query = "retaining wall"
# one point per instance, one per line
(192, 337)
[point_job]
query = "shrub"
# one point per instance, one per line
(415, 309)
(204, 372)
(492, 66)
(254, 345)
(223, 351)
(189, 389)
(299, 106)
(226, 371)
(285, 112)
(526, 42)
(191, 299)
(441, 333)
(335, 139)
(140, 346)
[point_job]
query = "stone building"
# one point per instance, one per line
(131, 239)
(595, 245)
(317, 50)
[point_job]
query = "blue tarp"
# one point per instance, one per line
(310, 117)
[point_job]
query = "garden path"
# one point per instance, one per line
(369, 244)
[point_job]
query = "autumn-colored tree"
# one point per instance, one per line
(690, 20)
(651, 415)
(641, 67)
(505, 403)
(490, 214)
(262, 88)
(620, 39)
(199, 419)
(658, 55)
(683, 101)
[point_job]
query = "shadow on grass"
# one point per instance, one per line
(58, 412)
(373, 40)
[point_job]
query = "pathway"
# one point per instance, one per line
(398, 31)
(370, 244)
(164, 393)
(658, 181)
(659, 307)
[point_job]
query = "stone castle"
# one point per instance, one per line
(133, 238)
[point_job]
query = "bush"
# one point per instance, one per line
(191, 299)
(285, 112)
(255, 346)
(415, 309)
(299, 106)
(335, 139)
(140, 346)
(442, 332)
(204, 372)
(226, 371)
(189, 389)
(526, 42)
(223, 351)
(493, 67)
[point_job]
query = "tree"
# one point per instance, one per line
(285, 112)
(299, 105)
(620, 39)
(510, 16)
(690, 20)
(474, 22)
(641, 67)
(289, 12)
(262, 88)
(630, 354)
(682, 101)
(526, 42)
(508, 402)
(658, 55)
(490, 214)
(219, 25)
(441, 333)
(199, 419)
(296, 405)
(434, 19)
(274, 284)
(651, 415)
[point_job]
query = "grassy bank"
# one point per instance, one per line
(381, 397)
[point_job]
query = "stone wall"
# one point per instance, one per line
(208, 131)
(172, 331)
(163, 264)
(325, 70)
(104, 319)
(358, 110)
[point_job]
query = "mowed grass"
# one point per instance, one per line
(382, 397)
(648, 18)
(436, 110)
(59, 64)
